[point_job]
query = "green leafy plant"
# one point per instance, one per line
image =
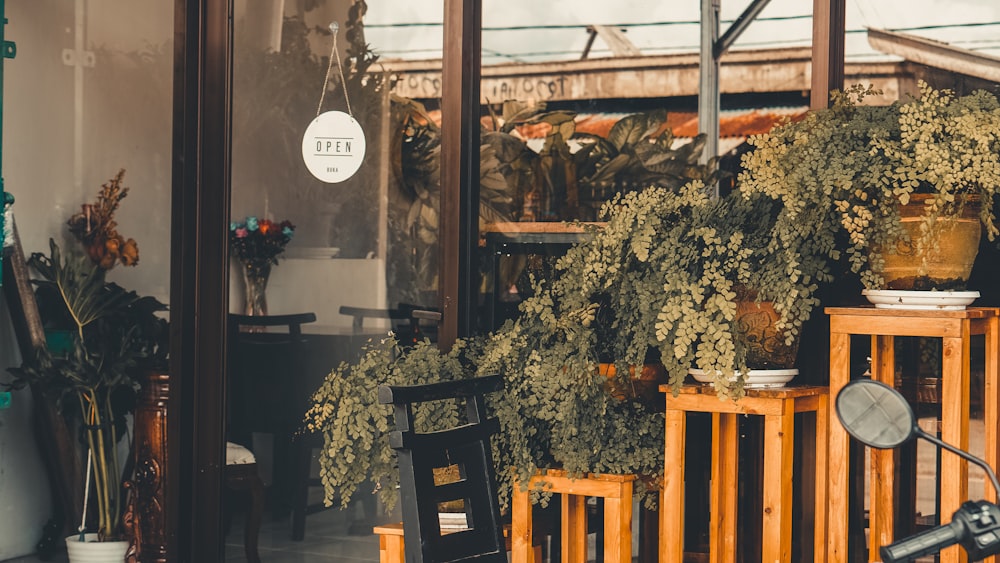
(662, 274)
(842, 172)
(355, 427)
(115, 334)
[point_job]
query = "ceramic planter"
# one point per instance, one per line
(948, 264)
(755, 321)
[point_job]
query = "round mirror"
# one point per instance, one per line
(875, 414)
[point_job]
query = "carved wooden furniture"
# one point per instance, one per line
(955, 328)
(148, 503)
(467, 447)
(778, 407)
(615, 490)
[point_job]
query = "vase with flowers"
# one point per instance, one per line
(257, 243)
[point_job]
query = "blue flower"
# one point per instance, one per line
(233, 225)
(251, 223)
(288, 232)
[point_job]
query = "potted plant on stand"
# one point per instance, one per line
(663, 274)
(887, 186)
(114, 333)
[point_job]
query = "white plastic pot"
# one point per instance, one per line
(93, 551)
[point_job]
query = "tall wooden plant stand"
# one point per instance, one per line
(778, 407)
(955, 328)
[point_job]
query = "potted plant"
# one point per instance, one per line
(663, 274)
(849, 177)
(115, 335)
(672, 272)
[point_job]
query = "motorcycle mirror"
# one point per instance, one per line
(875, 414)
(879, 417)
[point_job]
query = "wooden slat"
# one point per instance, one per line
(954, 430)
(822, 480)
(711, 403)
(581, 487)
(991, 417)
(779, 445)
(932, 327)
(618, 525)
(672, 496)
(722, 508)
(883, 462)
(521, 525)
(538, 227)
(574, 528)
(839, 453)
(869, 311)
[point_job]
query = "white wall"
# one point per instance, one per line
(126, 122)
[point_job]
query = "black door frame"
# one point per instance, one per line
(199, 289)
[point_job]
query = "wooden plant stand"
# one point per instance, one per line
(616, 490)
(955, 328)
(778, 407)
(391, 545)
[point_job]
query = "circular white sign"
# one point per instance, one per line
(333, 147)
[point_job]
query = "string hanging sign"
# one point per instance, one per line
(333, 146)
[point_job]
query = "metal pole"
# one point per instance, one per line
(708, 87)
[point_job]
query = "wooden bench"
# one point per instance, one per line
(390, 543)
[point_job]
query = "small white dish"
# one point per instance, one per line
(756, 378)
(920, 300)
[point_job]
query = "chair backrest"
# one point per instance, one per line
(412, 323)
(267, 387)
(466, 447)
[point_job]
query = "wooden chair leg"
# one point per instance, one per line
(244, 477)
(302, 465)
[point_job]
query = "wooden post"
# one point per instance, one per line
(459, 225)
(828, 50)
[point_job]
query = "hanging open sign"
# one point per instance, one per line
(333, 147)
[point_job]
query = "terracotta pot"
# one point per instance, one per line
(756, 322)
(946, 268)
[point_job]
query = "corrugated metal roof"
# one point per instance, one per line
(734, 125)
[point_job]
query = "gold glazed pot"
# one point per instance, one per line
(947, 263)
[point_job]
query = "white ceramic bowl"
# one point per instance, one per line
(756, 378)
(920, 300)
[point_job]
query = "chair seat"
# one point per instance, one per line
(238, 455)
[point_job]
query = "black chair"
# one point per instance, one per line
(467, 447)
(411, 323)
(269, 389)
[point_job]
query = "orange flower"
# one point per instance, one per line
(94, 226)
(130, 253)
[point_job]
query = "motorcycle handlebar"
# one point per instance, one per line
(975, 526)
(925, 543)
